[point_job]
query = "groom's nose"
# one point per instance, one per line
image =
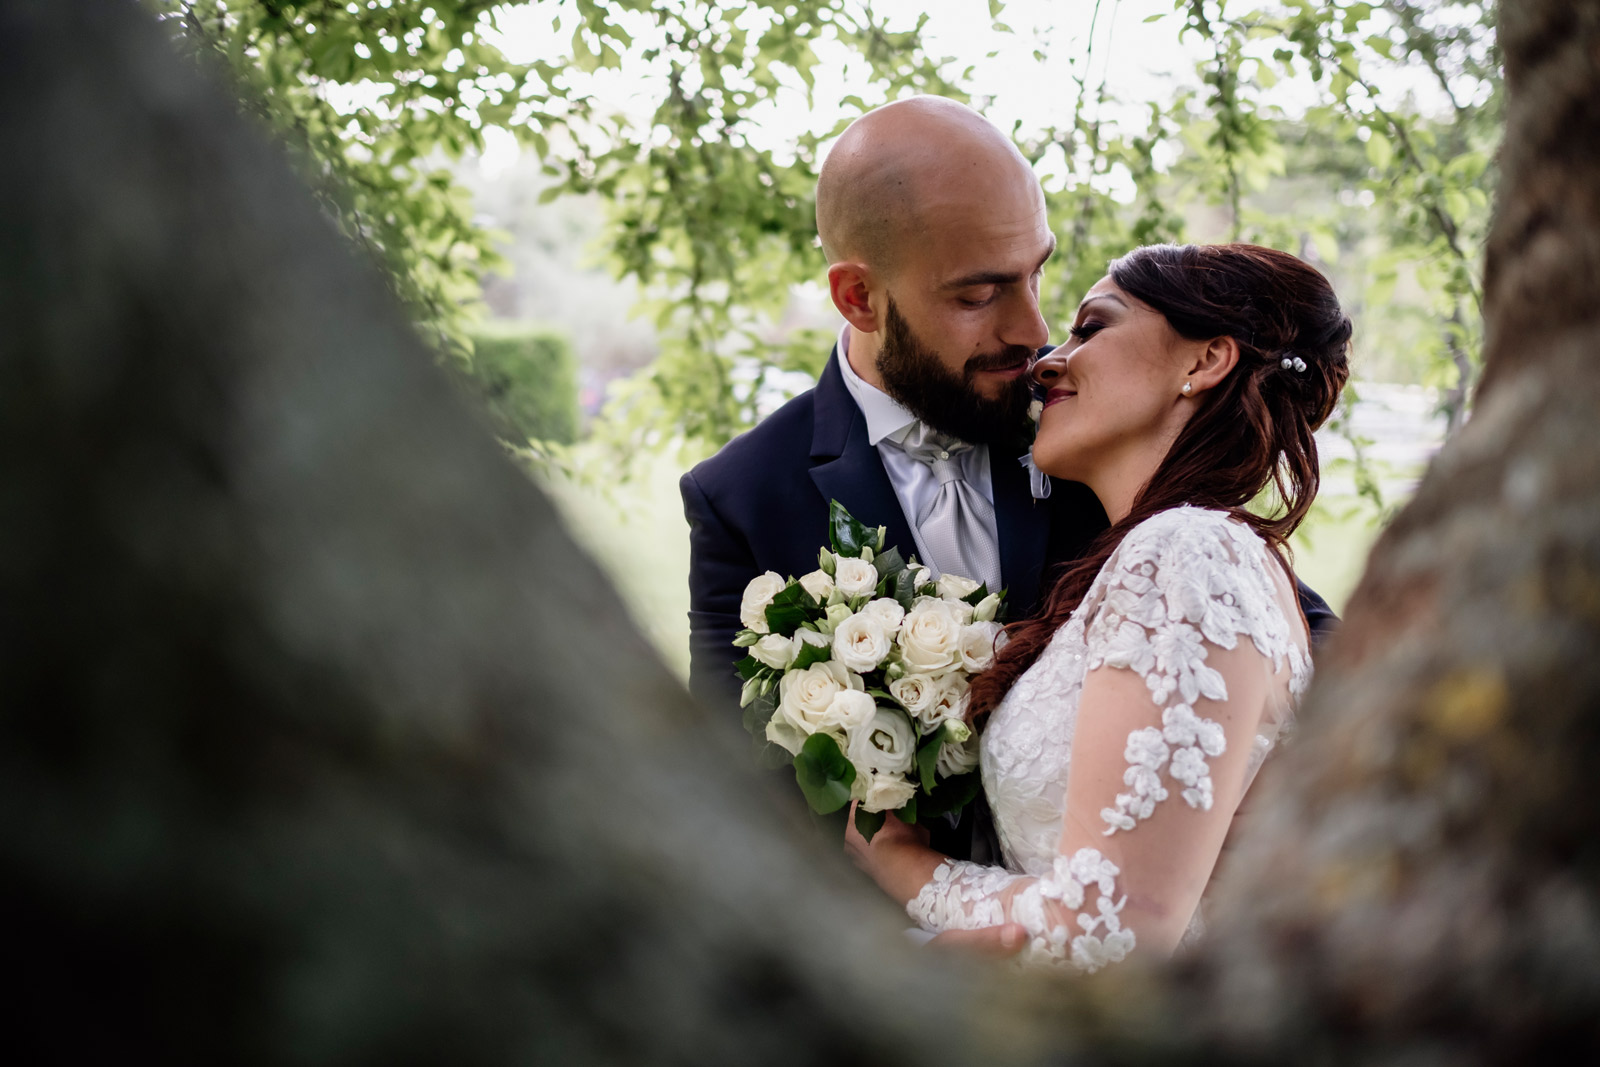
(1023, 324)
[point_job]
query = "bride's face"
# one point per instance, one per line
(1115, 400)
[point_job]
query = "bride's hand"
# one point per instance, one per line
(898, 857)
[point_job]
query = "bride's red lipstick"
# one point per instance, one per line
(1055, 396)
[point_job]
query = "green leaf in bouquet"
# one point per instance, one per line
(849, 537)
(928, 759)
(908, 813)
(810, 654)
(904, 590)
(951, 794)
(758, 712)
(889, 563)
(869, 822)
(824, 774)
(748, 667)
(976, 596)
(884, 694)
(790, 608)
(770, 757)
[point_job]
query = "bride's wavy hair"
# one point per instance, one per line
(1254, 429)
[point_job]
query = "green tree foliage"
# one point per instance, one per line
(716, 224)
(528, 379)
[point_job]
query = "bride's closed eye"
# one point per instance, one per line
(1087, 330)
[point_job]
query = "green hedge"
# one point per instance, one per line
(528, 379)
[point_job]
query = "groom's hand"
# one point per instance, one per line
(996, 941)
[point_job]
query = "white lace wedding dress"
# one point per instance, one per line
(1115, 765)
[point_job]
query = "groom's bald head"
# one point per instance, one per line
(892, 173)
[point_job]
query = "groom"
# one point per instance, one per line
(936, 232)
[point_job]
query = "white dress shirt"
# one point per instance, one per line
(887, 426)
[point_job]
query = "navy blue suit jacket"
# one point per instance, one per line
(761, 504)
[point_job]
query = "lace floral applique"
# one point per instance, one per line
(968, 896)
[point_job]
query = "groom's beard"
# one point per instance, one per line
(913, 374)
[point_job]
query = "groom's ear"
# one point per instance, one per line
(1213, 363)
(851, 284)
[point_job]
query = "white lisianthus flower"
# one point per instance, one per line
(757, 595)
(775, 650)
(805, 700)
(818, 584)
(887, 792)
(810, 637)
(860, 642)
(887, 611)
(922, 577)
(930, 637)
(987, 608)
(855, 577)
(886, 745)
(949, 704)
(957, 757)
(978, 645)
(917, 693)
(954, 587)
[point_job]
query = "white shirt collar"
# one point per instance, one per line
(885, 417)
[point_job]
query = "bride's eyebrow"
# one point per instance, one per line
(1101, 296)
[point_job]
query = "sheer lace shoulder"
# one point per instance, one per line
(1162, 715)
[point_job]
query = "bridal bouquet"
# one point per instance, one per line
(857, 674)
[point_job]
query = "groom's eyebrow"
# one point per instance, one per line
(999, 277)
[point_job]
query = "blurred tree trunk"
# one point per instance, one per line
(322, 742)
(1430, 877)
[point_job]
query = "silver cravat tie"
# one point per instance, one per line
(958, 527)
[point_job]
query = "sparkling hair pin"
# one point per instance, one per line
(1294, 363)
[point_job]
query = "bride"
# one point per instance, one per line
(1127, 721)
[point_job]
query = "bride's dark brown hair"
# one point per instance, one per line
(1253, 429)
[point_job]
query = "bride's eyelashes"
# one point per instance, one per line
(1087, 330)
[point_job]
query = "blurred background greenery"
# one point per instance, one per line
(601, 212)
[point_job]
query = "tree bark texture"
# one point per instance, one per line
(322, 742)
(1429, 878)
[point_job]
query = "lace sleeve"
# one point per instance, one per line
(1163, 748)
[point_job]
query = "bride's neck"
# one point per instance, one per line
(1117, 484)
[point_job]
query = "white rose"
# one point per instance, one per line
(775, 650)
(855, 577)
(757, 595)
(886, 745)
(955, 587)
(805, 700)
(887, 792)
(860, 643)
(930, 637)
(957, 757)
(818, 584)
(852, 710)
(887, 611)
(978, 645)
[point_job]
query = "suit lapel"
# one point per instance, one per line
(1024, 529)
(847, 466)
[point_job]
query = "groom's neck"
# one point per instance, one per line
(862, 351)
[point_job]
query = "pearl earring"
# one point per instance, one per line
(1188, 387)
